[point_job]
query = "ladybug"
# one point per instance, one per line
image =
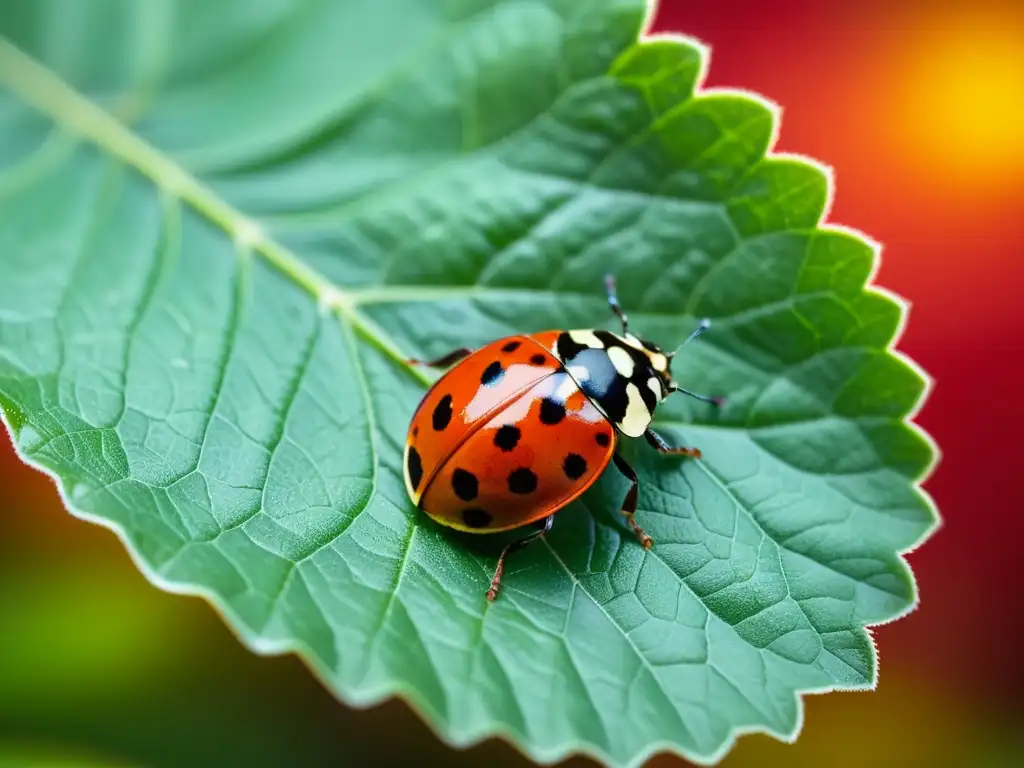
(522, 426)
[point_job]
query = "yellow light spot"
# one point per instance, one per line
(961, 97)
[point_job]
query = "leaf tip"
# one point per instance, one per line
(702, 49)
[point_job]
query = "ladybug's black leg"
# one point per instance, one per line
(613, 302)
(443, 362)
(629, 503)
(663, 447)
(543, 525)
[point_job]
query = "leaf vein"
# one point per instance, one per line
(579, 588)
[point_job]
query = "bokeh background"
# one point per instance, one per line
(919, 107)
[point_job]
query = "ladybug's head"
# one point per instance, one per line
(661, 361)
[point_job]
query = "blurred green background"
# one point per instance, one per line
(917, 106)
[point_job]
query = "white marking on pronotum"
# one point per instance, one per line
(659, 361)
(633, 341)
(655, 386)
(622, 361)
(586, 338)
(637, 416)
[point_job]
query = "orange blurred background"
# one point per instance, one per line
(919, 108)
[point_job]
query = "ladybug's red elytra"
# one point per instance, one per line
(524, 425)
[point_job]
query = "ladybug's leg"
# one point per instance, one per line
(663, 447)
(544, 526)
(445, 360)
(613, 302)
(629, 503)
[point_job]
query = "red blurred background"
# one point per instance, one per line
(919, 108)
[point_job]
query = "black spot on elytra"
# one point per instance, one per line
(442, 413)
(415, 431)
(415, 467)
(464, 484)
(474, 517)
(603, 439)
(507, 437)
(551, 411)
(492, 374)
(538, 359)
(522, 481)
(574, 466)
(512, 346)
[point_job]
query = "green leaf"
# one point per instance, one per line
(224, 226)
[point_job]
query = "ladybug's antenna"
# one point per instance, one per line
(701, 327)
(613, 302)
(715, 401)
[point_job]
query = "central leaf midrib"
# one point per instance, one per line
(41, 88)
